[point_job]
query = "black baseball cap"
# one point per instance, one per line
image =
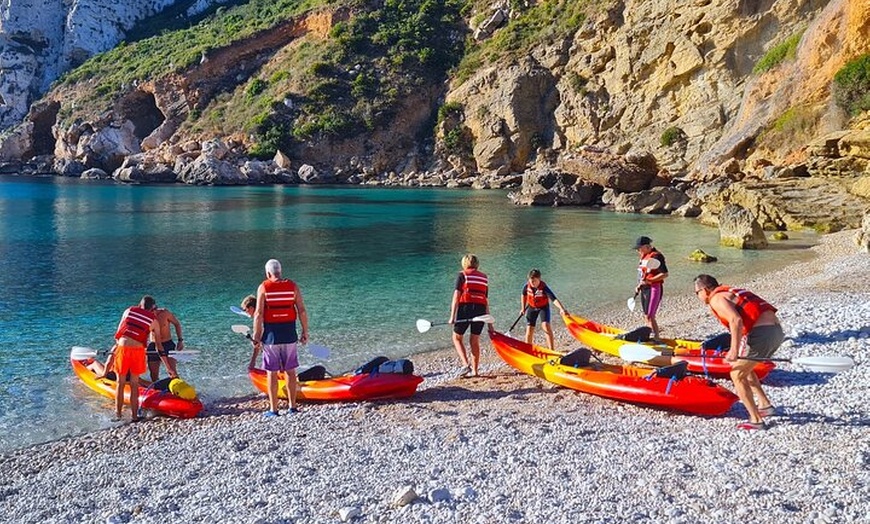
(642, 241)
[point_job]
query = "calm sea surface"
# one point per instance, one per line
(369, 262)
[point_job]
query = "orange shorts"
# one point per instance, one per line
(130, 359)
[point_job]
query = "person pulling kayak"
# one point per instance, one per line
(535, 302)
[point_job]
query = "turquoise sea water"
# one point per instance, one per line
(369, 261)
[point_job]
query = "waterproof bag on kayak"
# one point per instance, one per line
(400, 367)
(578, 358)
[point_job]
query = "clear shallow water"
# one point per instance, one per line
(369, 261)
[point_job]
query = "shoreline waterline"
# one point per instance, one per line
(369, 261)
(505, 446)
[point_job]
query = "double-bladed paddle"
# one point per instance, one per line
(822, 364)
(82, 353)
(321, 352)
(424, 325)
(239, 311)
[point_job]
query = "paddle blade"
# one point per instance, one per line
(423, 325)
(637, 352)
(239, 311)
(241, 329)
(825, 364)
(652, 263)
(631, 303)
(320, 352)
(488, 319)
(82, 353)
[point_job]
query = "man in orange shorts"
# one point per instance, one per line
(128, 354)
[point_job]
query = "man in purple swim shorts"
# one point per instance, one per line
(279, 305)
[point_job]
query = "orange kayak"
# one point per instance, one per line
(601, 337)
(160, 401)
(638, 385)
(345, 388)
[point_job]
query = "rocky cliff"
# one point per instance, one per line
(41, 39)
(652, 106)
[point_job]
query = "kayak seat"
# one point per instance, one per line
(579, 358)
(720, 342)
(317, 372)
(674, 371)
(641, 334)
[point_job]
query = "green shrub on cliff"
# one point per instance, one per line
(779, 53)
(852, 85)
(672, 135)
(529, 26)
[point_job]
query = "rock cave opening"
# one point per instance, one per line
(141, 109)
(43, 121)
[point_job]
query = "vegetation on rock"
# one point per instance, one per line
(779, 53)
(672, 135)
(852, 85)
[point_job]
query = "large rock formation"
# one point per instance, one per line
(41, 39)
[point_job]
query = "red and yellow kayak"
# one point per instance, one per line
(690, 394)
(710, 362)
(160, 401)
(345, 388)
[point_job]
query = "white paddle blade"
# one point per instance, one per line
(82, 353)
(653, 263)
(423, 325)
(239, 311)
(825, 364)
(631, 303)
(241, 329)
(320, 352)
(637, 352)
(488, 319)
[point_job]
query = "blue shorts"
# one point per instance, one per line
(280, 357)
(532, 315)
(154, 356)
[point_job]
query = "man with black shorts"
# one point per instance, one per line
(755, 333)
(470, 299)
(155, 355)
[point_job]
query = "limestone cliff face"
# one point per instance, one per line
(641, 67)
(41, 39)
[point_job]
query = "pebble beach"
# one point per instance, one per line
(503, 447)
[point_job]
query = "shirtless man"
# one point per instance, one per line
(165, 318)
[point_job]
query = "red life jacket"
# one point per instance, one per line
(749, 305)
(280, 301)
(644, 272)
(475, 287)
(136, 324)
(536, 297)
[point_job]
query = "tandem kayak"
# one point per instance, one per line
(710, 362)
(634, 384)
(155, 399)
(349, 387)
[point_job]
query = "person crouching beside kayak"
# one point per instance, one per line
(755, 333)
(470, 299)
(535, 302)
(651, 274)
(128, 353)
(279, 304)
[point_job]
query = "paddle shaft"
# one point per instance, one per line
(518, 318)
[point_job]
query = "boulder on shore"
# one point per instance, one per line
(739, 228)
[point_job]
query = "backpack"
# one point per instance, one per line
(371, 365)
(400, 367)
